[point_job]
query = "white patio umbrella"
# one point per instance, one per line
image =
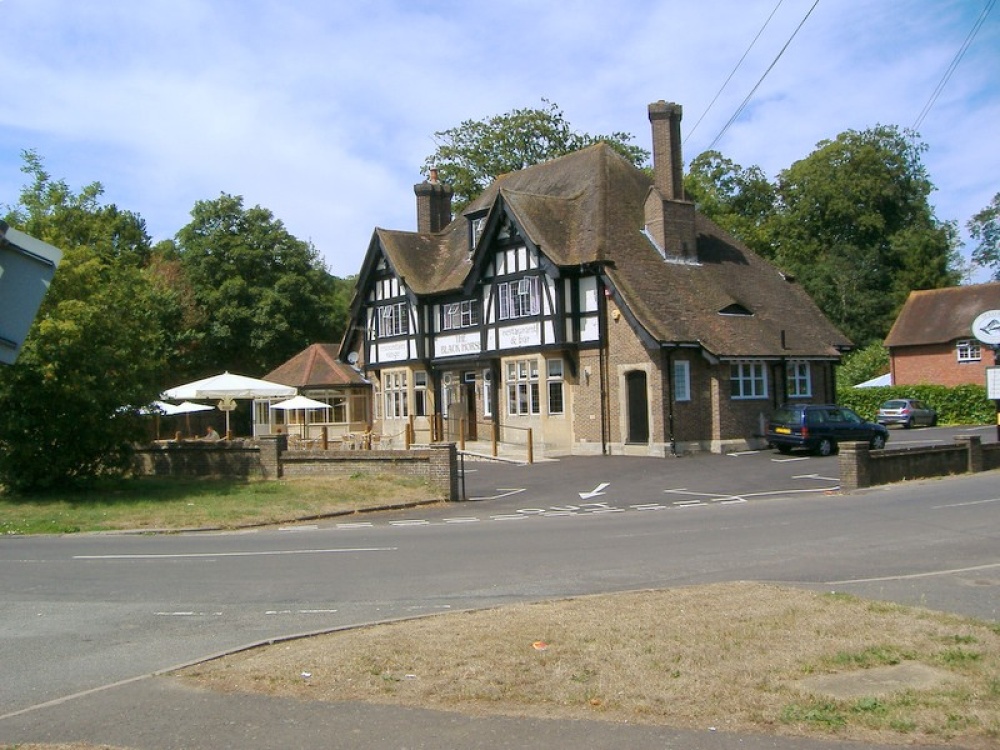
(301, 402)
(227, 387)
(170, 410)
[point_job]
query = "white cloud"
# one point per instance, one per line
(323, 112)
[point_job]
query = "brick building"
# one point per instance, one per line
(586, 301)
(932, 340)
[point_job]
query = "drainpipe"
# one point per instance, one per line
(602, 365)
(668, 355)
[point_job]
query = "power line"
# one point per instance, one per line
(722, 88)
(742, 106)
(954, 64)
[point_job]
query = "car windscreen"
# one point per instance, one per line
(894, 405)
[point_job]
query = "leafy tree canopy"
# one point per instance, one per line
(984, 227)
(68, 406)
(851, 221)
(742, 201)
(469, 157)
(264, 294)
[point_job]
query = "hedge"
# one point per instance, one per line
(963, 404)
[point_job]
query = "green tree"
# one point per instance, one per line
(69, 405)
(469, 157)
(984, 228)
(854, 224)
(741, 201)
(863, 364)
(264, 294)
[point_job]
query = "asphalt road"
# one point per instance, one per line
(83, 611)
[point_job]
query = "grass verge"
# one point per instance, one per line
(735, 657)
(154, 504)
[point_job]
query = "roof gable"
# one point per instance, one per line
(317, 366)
(587, 208)
(937, 316)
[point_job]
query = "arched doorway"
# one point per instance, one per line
(638, 407)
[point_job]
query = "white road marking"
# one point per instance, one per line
(790, 458)
(504, 493)
(470, 519)
(263, 553)
(929, 574)
(357, 525)
(971, 502)
(598, 490)
(414, 522)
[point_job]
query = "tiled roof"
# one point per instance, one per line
(588, 207)
(938, 316)
(317, 366)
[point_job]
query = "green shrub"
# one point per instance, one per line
(963, 404)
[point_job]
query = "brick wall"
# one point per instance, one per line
(937, 364)
(268, 459)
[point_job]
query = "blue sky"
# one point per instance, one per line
(323, 111)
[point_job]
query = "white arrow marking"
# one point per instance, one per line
(598, 490)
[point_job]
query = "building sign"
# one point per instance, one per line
(993, 383)
(986, 327)
(394, 351)
(457, 345)
(515, 337)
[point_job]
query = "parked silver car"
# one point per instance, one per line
(907, 412)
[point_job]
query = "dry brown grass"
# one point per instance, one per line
(729, 656)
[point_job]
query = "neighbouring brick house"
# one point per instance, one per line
(932, 339)
(589, 302)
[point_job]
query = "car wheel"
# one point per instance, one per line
(877, 442)
(784, 449)
(908, 423)
(934, 421)
(826, 447)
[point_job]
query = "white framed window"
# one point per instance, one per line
(394, 389)
(799, 379)
(682, 380)
(554, 380)
(969, 350)
(487, 393)
(464, 314)
(747, 380)
(519, 299)
(522, 387)
(393, 320)
(420, 393)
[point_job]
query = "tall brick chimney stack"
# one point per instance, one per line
(433, 204)
(669, 216)
(668, 166)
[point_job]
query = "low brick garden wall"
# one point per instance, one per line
(268, 457)
(862, 467)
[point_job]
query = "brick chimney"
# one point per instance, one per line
(669, 217)
(433, 204)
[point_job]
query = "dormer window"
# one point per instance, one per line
(476, 227)
(735, 309)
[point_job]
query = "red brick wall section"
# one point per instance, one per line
(937, 365)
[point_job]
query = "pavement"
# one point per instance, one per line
(158, 712)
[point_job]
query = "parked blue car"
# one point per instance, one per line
(820, 428)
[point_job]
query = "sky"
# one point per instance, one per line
(324, 111)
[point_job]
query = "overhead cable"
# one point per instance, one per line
(742, 106)
(726, 83)
(954, 64)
